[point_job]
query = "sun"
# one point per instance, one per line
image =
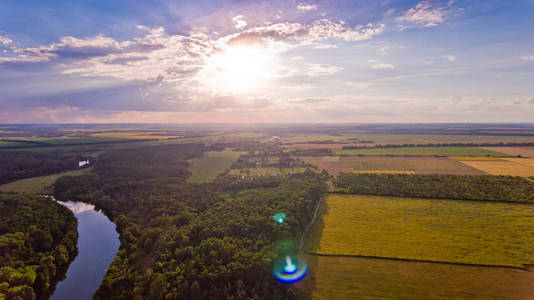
(241, 69)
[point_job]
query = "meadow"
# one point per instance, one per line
(481, 233)
(422, 151)
(38, 185)
(364, 278)
(375, 164)
(211, 164)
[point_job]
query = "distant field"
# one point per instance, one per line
(266, 171)
(423, 151)
(10, 143)
(363, 278)
(511, 166)
(515, 151)
(421, 229)
(133, 135)
(477, 158)
(211, 164)
(38, 185)
(376, 164)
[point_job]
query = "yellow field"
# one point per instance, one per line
(362, 278)
(476, 158)
(510, 166)
(38, 185)
(420, 229)
(383, 172)
(523, 151)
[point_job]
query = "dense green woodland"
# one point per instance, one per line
(19, 165)
(464, 187)
(192, 241)
(37, 243)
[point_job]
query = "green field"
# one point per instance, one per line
(483, 233)
(266, 171)
(363, 278)
(211, 164)
(422, 151)
(5, 143)
(38, 185)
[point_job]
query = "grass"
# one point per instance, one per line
(514, 167)
(211, 164)
(38, 185)
(376, 164)
(431, 230)
(4, 143)
(362, 278)
(422, 151)
(477, 158)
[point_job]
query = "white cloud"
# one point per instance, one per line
(316, 70)
(306, 6)
(383, 50)
(451, 58)
(5, 40)
(325, 46)
(381, 66)
(239, 21)
(359, 84)
(426, 14)
(526, 57)
(301, 34)
(389, 12)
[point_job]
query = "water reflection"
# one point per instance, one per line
(98, 241)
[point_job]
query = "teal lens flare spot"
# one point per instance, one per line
(290, 269)
(279, 218)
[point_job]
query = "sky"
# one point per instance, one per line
(230, 61)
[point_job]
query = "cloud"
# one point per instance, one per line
(449, 57)
(325, 46)
(4, 40)
(381, 66)
(306, 6)
(383, 50)
(389, 12)
(531, 101)
(359, 84)
(526, 57)
(310, 101)
(239, 22)
(427, 14)
(456, 99)
(316, 70)
(300, 34)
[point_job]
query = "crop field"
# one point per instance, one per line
(440, 138)
(4, 143)
(422, 151)
(364, 278)
(133, 135)
(38, 185)
(481, 233)
(515, 151)
(265, 171)
(375, 164)
(511, 166)
(211, 164)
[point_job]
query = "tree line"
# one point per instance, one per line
(461, 187)
(191, 241)
(352, 147)
(37, 243)
(19, 165)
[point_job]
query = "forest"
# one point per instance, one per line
(19, 165)
(192, 241)
(461, 187)
(37, 243)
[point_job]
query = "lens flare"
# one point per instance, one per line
(290, 269)
(279, 218)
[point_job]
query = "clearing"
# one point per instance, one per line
(211, 164)
(38, 185)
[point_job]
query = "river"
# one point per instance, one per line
(98, 241)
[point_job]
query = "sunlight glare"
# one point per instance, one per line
(240, 69)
